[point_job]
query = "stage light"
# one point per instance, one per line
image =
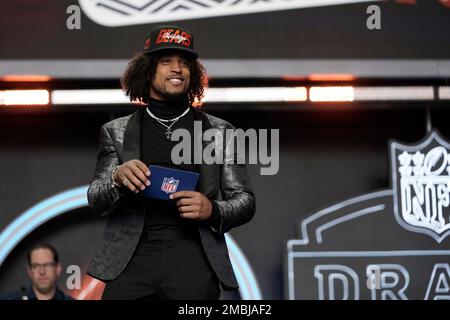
(256, 94)
(410, 93)
(331, 94)
(268, 94)
(348, 93)
(25, 78)
(331, 77)
(24, 97)
(96, 96)
(444, 93)
(116, 96)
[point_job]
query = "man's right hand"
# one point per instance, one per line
(133, 175)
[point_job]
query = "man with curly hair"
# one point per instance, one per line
(164, 249)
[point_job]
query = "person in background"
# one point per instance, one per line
(43, 269)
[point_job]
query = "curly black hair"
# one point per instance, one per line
(136, 80)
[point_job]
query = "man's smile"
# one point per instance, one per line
(176, 80)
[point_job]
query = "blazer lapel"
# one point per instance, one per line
(132, 137)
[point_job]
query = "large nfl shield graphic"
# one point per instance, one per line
(169, 185)
(421, 185)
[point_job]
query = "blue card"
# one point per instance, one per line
(165, 181)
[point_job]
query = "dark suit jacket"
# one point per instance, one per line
(227, 185)
(28, 294)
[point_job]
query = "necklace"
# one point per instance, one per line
(168, 127)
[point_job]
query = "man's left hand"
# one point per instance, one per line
(192, 205)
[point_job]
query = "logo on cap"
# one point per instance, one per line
(174, 36)
(170, 37)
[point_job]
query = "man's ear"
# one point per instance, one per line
(29, 271)
(58, 268)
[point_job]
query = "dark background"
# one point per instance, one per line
(31, 29)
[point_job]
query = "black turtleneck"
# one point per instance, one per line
(156, 150)
(168, 109)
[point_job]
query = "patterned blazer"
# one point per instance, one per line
(227, 185)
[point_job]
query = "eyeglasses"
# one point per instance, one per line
(46, 266)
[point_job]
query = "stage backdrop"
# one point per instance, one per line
(327, 157)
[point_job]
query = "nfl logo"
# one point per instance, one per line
(169, 185)
(421, 181)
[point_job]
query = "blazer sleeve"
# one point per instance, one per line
(102, 197)
(238, 204)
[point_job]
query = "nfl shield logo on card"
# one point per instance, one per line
(421, 183)
(169, 185)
